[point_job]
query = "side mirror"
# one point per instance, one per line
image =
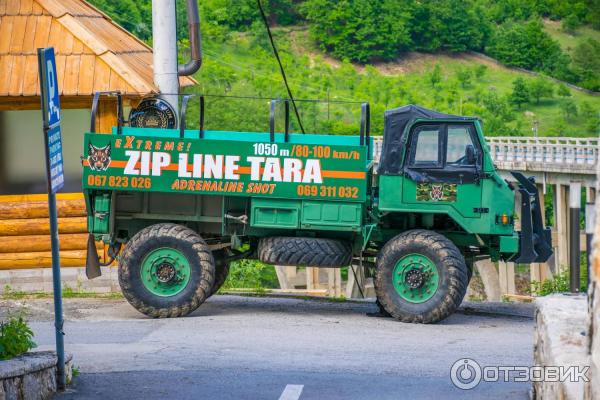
(470, 158)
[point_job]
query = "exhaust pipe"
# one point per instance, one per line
(192, 66)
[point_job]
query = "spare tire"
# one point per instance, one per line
(303, 251)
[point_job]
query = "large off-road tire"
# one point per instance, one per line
(421, 277)
(166, 270)
(302, 251)
(221, 270)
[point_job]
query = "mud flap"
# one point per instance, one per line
(92, 262)
(535, 241)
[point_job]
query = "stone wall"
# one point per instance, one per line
(31, 376)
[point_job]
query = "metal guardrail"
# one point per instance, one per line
(556, 154)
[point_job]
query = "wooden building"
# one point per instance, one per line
(92, 54)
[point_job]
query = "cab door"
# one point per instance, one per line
(443, 167)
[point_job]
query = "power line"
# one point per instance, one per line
(276, 53)
(339, 99)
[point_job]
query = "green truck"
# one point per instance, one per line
(185, 203)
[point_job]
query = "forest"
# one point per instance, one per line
(391, 53)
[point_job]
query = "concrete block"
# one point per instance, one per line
(561, 339)
(18, 276)
(593, 387)
(41, 280)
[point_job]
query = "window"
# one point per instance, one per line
(460, 148)
(426, 144)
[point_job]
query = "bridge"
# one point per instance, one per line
(551, 155)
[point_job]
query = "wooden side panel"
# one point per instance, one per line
(6, 64)
(24, 231)
(71, 79)
(101, 76)
(35, 243)
(13, 7)
(43, 259)
(86, 75)
(6, 27)
(39, 209)
(42, 31)
(18, 34)
(29, 36)
(31, 86)
(16, 76)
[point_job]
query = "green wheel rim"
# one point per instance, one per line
(165, 272)
(415, 278)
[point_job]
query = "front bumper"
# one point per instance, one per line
(535, 241)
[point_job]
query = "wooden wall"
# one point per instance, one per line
(25, 231)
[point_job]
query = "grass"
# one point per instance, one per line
(568, 41)
(68, 293)
(243, 65)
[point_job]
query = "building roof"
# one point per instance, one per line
(93, 53)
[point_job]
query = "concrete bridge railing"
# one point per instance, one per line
(557, 154)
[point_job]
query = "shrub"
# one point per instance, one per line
(359, 30)
(251, 274)
(16, 338)
(528, 45)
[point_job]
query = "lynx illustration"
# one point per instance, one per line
(98, 157)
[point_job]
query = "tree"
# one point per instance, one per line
(520, 92)
(528, 45)
(435, 77)
(570, 23)
(586, 63)
(591, 116)
(454, 25)
(568, 108)
(134, 16)
(464, 77)
(359, 30)
(563, 91)
(539, 88)
(593, 12)
(480, 71)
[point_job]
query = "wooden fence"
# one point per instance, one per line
(25, 231)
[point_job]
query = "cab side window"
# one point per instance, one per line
(460, 149)
(426, 146)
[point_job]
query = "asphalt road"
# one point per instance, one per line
(277, 348)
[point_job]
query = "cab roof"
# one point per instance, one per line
(397, 122)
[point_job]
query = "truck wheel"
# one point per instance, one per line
(302, 251)
(166, 270)
(221, 270)
(421, 277)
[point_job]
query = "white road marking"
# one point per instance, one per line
(291, 392)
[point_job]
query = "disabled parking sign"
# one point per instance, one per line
(51, 116)
(50, 104)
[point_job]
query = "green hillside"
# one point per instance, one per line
(410, 51)
(243, 65)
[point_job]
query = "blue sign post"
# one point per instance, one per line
(55, 177)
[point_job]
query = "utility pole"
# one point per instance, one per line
(164, 34)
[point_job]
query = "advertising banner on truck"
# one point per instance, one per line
(223, 167)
